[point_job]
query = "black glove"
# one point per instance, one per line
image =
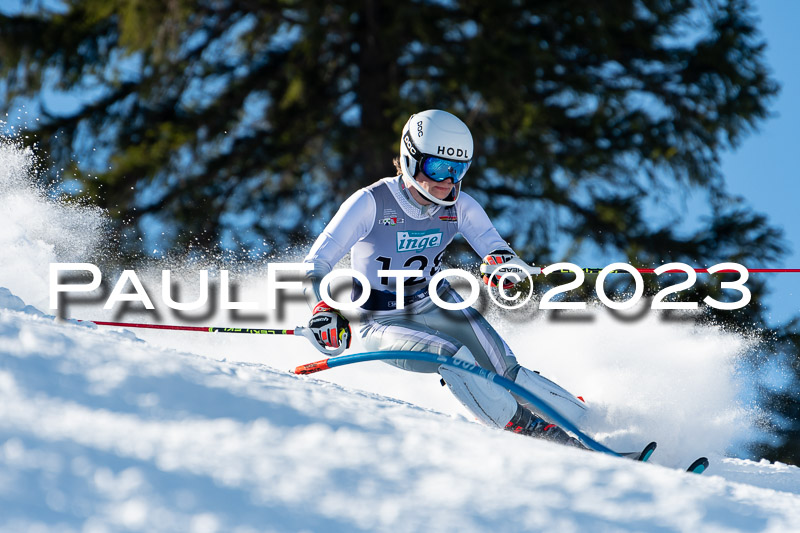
(331, 328)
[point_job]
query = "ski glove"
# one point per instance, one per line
(494, 259)
(330, 327)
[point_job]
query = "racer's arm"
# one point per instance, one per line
(352, 222)
(475, 226)
(482, 236)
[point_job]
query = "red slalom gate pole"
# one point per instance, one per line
(591, 270)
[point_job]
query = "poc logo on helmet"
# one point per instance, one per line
(452, 152)
(409, 144)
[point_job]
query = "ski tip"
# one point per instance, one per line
(647, 452)
(699, 466)
(643, 455)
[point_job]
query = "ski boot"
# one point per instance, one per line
(527, 423)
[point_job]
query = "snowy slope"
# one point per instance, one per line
(100, 431)
(122, 430)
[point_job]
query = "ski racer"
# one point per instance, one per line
(406, 222)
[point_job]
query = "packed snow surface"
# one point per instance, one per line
(101, 431)
(113, 429)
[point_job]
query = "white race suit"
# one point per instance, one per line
(384, 228)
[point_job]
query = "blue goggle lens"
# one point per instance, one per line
(439, 169)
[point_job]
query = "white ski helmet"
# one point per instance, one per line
(440, 146)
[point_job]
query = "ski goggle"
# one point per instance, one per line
(439, 169)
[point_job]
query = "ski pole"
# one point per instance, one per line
(594, 270)
(517, 267)
(297, 331)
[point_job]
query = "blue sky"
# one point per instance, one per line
(764, 169)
